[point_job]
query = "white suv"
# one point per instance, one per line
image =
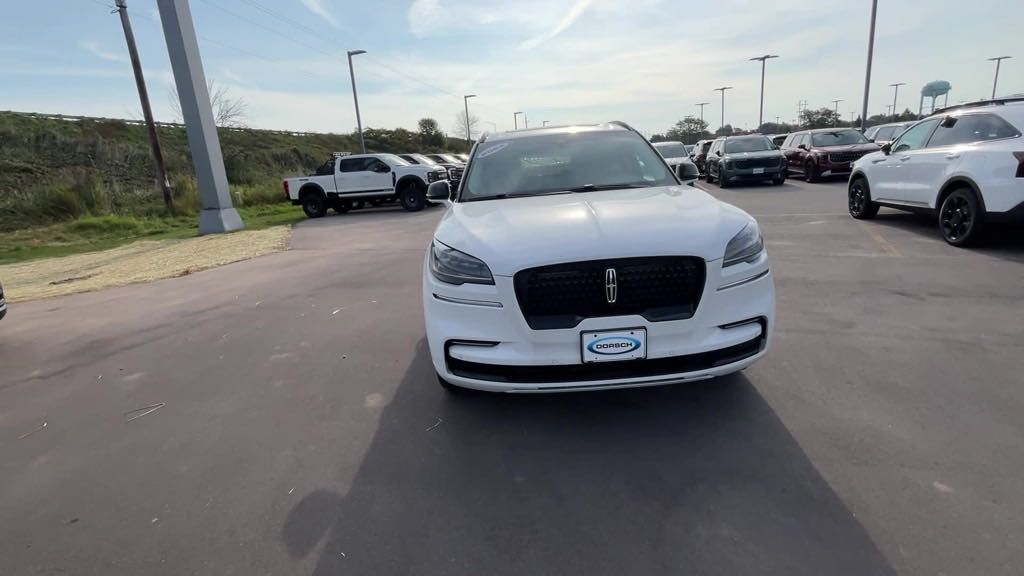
(964, 164)
(573, 258)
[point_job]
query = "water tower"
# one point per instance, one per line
(934, 90)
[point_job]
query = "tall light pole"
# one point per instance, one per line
(355, 97)
(762, 59)
(722, 90)
(515, 119)
(836, 102)
(465, 102)
(895, 92)
(702, 105)
(147, 112)
(867, 74)
(998, 60)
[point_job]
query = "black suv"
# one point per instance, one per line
(745, 158)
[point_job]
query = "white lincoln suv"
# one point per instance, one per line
(572, 258)
(964, 164)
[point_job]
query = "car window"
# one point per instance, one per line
(753, 144)
(375, 164)
(352, 164)
(884, 133)
(870, 132)
(393, 160)
(799, 139)
(837, 138)
(971, 128)
(915, 138)
(705, 147)
(563, 161)
(671, 149)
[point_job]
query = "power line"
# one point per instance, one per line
(268, 29)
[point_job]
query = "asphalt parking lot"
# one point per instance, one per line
(280, 416)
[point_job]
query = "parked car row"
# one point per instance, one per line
(350, 181)
(963, 165)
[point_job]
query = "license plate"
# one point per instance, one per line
(612, 345)
(758, 170)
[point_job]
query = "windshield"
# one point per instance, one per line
(671, 149)
(394, 160)
(564, 161)
(420, 158)
(450, 158)
(837, 138)
(755, 144)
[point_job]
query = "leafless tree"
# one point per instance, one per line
(228, 112)
(460, 126)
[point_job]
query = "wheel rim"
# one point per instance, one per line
(957, 218)
(857, 198)
(312, 205)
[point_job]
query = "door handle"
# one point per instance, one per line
(904, 158)
(952, 156)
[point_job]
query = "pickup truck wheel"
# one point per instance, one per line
(413, 197)
(314, 204)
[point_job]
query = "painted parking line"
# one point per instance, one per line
(884, 244)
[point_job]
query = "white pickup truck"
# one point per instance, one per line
(346, 179)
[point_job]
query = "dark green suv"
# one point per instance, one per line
(745, 158)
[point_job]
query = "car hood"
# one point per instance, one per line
(866, 147)
(516, 233)
(673, 160)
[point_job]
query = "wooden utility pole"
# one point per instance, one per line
(147, 112)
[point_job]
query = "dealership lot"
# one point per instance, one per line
(300, 428)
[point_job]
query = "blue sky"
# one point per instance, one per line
(647, 62)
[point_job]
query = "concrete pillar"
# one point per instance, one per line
(218, 214)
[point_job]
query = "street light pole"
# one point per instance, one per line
(836, 102)
(355, 97)
(722, 90)
(760, 114)
(895, 92)
(465, 102)
(867, 74)
(702, 105)
(998, 60)
(515, 119)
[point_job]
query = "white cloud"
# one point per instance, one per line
(96, 50)
(317, 7)
(424, 16)
(577, 10)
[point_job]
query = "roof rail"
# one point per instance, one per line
(978, 103)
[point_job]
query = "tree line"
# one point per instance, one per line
(691, 129)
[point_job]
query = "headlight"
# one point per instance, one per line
(745, 246)
(453, 267)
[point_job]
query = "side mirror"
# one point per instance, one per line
(887, 148)
(718, 152)
(440, 190)
(687, 172)
(382, 169)
(871, 139)
(802, 147)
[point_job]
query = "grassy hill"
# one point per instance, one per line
(54, 170)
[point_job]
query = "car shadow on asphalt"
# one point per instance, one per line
(1001, 240)
(696, 479)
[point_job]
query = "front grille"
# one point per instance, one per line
(659, 288)
(757, 163)
(455, 174)
(841, 157)
(597, 371)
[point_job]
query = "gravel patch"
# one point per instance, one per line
(142, 261)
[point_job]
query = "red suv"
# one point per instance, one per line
(825, 152)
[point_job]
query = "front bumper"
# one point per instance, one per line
(479, 339)
(737, 175)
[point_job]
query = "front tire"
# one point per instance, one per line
(961, 219)
(708, 177)
(413, 197)
(314, 204)
(811, 172)
(723, 177)
(779, 180)
(859, 200)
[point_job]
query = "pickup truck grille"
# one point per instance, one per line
(659, 288)
(757, 163)
(841, 157)
(455, 174)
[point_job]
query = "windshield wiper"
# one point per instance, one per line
(597, 187)
(515, 195)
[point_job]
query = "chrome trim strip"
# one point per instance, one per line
(742, 282)
(483, 303)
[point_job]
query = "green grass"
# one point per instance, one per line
(92, 233)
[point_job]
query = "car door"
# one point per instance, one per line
(795, 154)
(350, 174)
(713, 157)
(377, 176)
(897, 179)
